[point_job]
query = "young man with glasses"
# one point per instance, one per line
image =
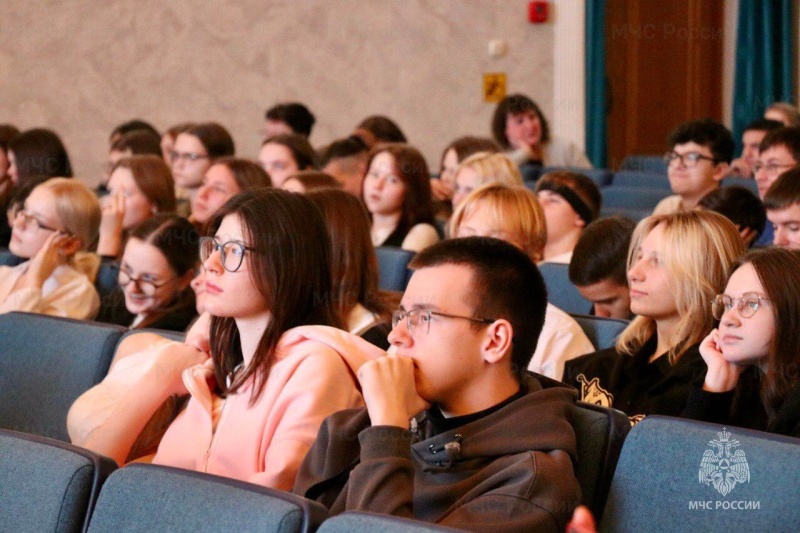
(455, 431)
(699, 156)
(778, 152)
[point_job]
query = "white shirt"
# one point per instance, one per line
(561, 339)
(66, 293)
(562, 259)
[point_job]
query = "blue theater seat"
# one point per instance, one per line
(47, 485)
(393, 270)
(644, 163)
(602, 332)
(146, 498)
(560, 290)
(352, 522)
(45, 364)
(645, 180)
(683, 475)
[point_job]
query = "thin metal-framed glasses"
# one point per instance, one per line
(31, 221)
(146, 284)
(231, 252)
(747, 305)
(414, 316)
(689, 159)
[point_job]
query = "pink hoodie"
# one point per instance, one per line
(314, 375)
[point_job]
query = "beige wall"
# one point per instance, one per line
(80, 67)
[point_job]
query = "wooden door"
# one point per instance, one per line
(664, 67)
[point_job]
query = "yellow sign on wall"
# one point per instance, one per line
(494, 86)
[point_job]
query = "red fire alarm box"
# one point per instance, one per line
(537, 12)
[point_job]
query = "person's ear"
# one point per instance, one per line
(721, 170)
(71, 246)
(497, 341)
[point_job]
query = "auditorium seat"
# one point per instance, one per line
(9, 259)
(393, 270)
(748, 184)
(645, 180)
(600, 176)
(145, 498)
(45, 364)
(358, 522)
(602, 332)
(644, 163)
(683, 475)
(560, 290)
(46, 485)
(600, 432)
(633, 197)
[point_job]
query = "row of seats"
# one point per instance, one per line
(632, 193)
(665, 474)
(47, 362)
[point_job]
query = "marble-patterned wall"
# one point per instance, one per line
(82, 66)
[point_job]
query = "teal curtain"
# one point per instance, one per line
(764, 48)
(596, 137)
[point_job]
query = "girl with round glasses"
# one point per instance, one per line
(753, 376)
(59, 219)
(156, 268)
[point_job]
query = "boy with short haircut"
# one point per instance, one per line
(288, 117)
(699, 156)
(740, 206)
(599, 266)
(346, 160)
(778, 152)
(752, 136)
(782, 203)
(455, 432)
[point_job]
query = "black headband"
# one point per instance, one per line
(572, 199)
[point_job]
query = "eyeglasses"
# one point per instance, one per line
(146, 283)
(231, 252)
(31, 221)
(188, 156)
(689, 159)
(414, 316)
(747, 305)
(770, 168)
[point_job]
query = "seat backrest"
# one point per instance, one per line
(178, 336)
(47, 485)
(634, 214)
(356, 522)
(560, 290)
(45, 364)
(648, 180)
(644, 163)
(393, 270)
(600, 176)
(146, 498)
(683, 475)
(748, 184)
(106, 280)
(600, 432)
(603, 332)
(9, 259)
(633, 197)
